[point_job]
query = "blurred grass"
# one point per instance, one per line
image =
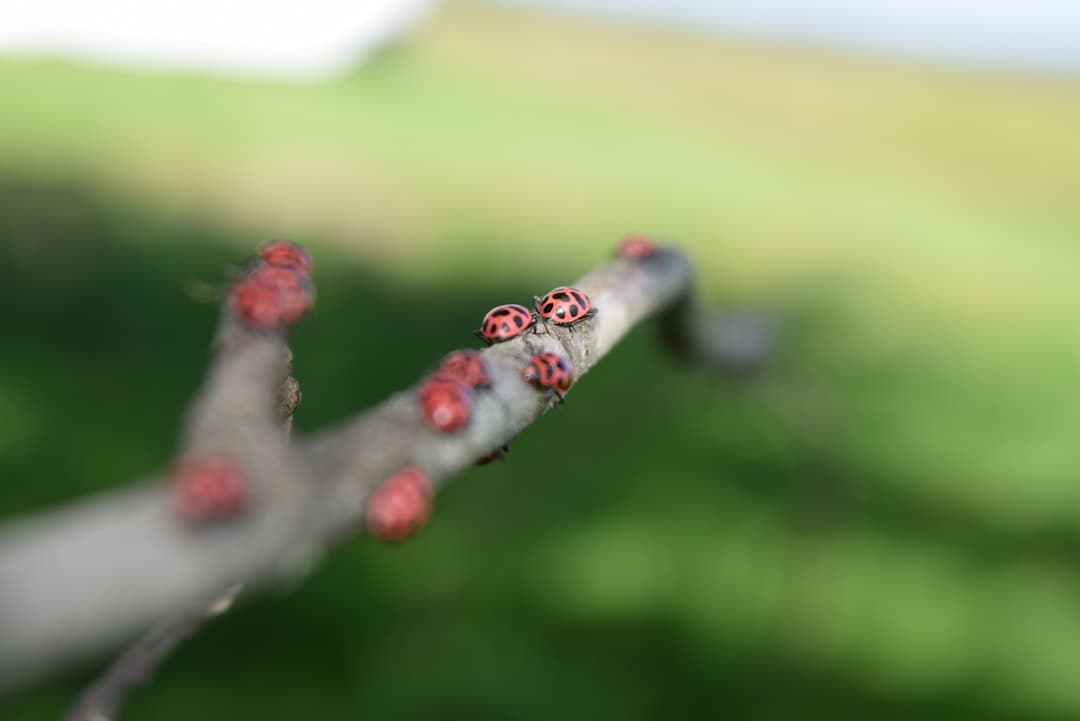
(886, 526)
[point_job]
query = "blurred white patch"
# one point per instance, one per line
(309, 38)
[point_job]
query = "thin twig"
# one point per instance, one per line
(102, 700)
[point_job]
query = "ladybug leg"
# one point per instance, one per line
(480, 334)
(559, 396)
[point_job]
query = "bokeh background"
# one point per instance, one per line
(886, 524)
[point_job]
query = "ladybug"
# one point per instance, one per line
(258, 305)
(400, 506)
(298, 290)
(565, 306)
(504, 322)
(467, 366)
(445, 403)
(636, 247)
(551, 371)
(209, 488)
(270, 297)
(499, 454)
(286, 254)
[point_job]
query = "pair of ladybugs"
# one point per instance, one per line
(446, 396)
(402, 504)
(563, 306)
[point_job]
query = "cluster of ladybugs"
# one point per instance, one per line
(446, 396)
(402, 504)
(276, 290)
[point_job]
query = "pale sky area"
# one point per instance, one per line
(1021, 34)
(322, 37)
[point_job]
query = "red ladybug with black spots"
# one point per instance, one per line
(271, 296)
(401, 506)
(466, 366)
(209, 488)
(297, 289)
(551, 372)
(636, 247)
(504, 322)
(445, 403)
(565, 306)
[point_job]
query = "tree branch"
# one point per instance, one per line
(81, 579)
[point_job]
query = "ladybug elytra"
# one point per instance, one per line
(565, 306)
(272, 296)
(466, 366)
(298, 290)
(550, 371)
(401, 506)
(286, 254)
(209, 488)
(504, 322)
(258, 305)
(445, 403)
(636, 247)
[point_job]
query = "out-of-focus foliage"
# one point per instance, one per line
(886, 525)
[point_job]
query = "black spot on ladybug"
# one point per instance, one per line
(548, 307)
(500, 312)
(573, 310)
(562, 295)
(578, 298)
(518, 321)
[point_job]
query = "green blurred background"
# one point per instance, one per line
(885, 525)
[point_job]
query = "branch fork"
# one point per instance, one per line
(77, 581)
